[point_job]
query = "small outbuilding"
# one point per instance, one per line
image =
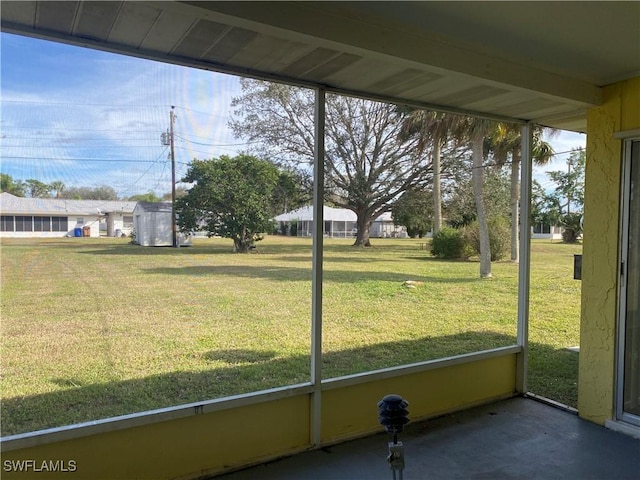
(152, 226)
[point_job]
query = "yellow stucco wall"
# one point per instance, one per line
(197, 445)
(353, 410)
(183, 448)
(619, 112)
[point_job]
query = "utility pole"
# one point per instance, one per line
(167, 140)
(569, 179)
(172, 119)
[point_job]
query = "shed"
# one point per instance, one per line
(152, 226)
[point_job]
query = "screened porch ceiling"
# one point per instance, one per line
(539, 61)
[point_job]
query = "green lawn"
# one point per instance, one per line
(93, 328)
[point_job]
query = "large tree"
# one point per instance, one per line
(293, 190)
(414, 211)
(102, 192)
(460, 208)
(37, 189)
(366, 166)
(230, 197)
(569, 194)
(562, 205)
(180, 192)
(145, 197)
(9, 185)
(546, 208)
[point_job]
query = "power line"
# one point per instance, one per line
(510, 162)
(208, 114)
(575, 149)
(154, 162)
(67, 104)
(207, 153)
(67, 145)
(216, 145)
(55, 130)
(155, 107)
(66, 159)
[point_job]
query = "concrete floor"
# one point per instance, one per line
(518, 438)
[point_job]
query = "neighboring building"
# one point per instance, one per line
(152, 226)
(339, 223)
(544, 231)
(384, 227)
(51, 217)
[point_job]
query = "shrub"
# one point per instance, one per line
(499, 237)
(293, 228)
(449, 243)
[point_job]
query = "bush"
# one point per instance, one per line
(449, 243)
(499, 238)
(293, 228)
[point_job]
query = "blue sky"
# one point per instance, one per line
(90, 118)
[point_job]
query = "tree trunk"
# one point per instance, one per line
(239, 246)
(364, 226)
(569, 235)
(478, 181)
(515, 206)
(437, 195)
(242, 243)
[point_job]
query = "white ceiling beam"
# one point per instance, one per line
(333, 25)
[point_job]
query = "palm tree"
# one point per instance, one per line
(434, 129)
(506, 142)
(58, 187)
(477, 129)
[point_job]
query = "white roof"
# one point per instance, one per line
(329, 213)
(12, 205)
(162, 207)
(385, 217)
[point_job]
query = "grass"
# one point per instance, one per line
(93, 328)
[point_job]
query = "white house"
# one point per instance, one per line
(152, 226)
(544, 231)
(384, 227)
(339, 222)
(51, 217)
